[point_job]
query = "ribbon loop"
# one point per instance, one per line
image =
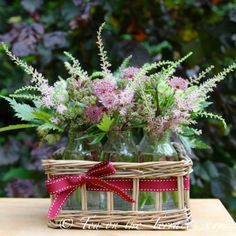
(63, 186)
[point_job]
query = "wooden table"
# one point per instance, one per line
(27, 217)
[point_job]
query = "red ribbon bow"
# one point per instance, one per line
(63, 186)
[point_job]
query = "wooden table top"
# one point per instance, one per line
(23, 217)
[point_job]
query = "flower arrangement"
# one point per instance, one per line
(148, 101)
(150, 98)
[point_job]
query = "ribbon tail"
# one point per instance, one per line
(101, 169)
(58, 202)
(110, 188)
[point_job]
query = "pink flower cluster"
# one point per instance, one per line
(103, 86)
(94, 114)
(129, 73)
(47, 91)
(105, 91)
(178, 83)
(110, 98)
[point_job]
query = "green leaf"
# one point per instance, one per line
(165, 149)
(50, 126)
(198, 143)
(23, 111)
(164, 197)
(41, 115)
(174, 196)
(18, 126)
(192, 142)
(18, 172)
(86, 136)
(52, 138)
(143, 198)
(189, 131)
(98, 138)
(202, 173)
(106, 123)
(211, 169)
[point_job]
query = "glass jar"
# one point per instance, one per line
(120, 147)
(80, 149)
(150, 149)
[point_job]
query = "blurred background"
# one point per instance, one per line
(39, 31)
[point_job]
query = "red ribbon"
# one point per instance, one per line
(63, 186)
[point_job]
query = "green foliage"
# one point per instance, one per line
(22, 111)
(18, 126)
(106, 123)
(41, 115)
(17, 172)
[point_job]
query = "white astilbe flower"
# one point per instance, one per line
(196, 79)
(61, 109)
(211, 83)
(75, 70)
(189, 102)
(37, 77)
(102, 52)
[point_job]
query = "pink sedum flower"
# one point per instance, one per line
(178, 83)
(129, 73)
(94, 114)
(103, 86)
(61, 108)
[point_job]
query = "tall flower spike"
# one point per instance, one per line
(102, 52)
(197, 79)
(75, 70)
(37, 77)
(211, 83)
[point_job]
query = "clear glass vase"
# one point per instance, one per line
(81, 149)
(120, 147)
(151, 149)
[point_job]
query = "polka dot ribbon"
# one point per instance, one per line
(61, 187)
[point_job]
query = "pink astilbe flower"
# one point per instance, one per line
(178, 83)
(55, 121)
(61, 108)
(126, 96)
(47, 92)
(103, 86)
(129, 73)
(47, 101)
(189, 103)
(78, 83)
(60, 98)
(109, 100)
(94, 114)
(45, 89)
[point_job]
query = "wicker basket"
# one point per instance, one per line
(179, 218)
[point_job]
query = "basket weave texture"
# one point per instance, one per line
(179, 218)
